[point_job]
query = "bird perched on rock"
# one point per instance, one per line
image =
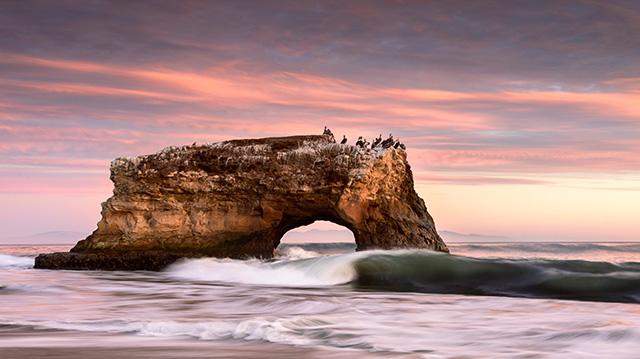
(344, 139)
(388, 142)
(327, 132)
(359, 142)
(376, 141)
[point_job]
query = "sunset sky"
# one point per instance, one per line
(521, 118)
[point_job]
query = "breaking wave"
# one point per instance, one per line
(559, 279)
(430, 272)
(290, 271)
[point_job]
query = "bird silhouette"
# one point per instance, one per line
(376, 141)
(388, 142)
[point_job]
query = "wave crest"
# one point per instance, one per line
(429, 272)
(443, 273)
(306, 272)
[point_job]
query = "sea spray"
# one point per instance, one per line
(8, 261)
(295, 252)
(316, 271)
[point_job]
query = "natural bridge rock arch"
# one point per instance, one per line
(238, 198)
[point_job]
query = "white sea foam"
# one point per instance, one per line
(297, 253)
(318, 271)
(8, 261)
(408, 325)
(296, 269)
(133, 306)
(278, 330)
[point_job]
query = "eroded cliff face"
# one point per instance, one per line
(238, 198)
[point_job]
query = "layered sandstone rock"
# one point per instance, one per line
(238, 198)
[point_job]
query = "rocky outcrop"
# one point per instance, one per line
(238, 198)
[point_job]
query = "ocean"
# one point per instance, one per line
(498, 300)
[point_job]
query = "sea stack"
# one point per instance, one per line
(238, 198)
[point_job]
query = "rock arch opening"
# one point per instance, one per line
(321, 236)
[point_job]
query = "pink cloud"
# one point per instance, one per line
(51, 181)
(430, 178)
(34, 164)
(224, 102)
(221, 86)
(530, 160)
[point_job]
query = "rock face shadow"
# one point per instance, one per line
(238, 198)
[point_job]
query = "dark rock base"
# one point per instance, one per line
(140, 260)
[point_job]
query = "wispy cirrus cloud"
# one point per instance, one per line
(505, 128)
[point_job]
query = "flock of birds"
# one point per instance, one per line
(363, 143)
